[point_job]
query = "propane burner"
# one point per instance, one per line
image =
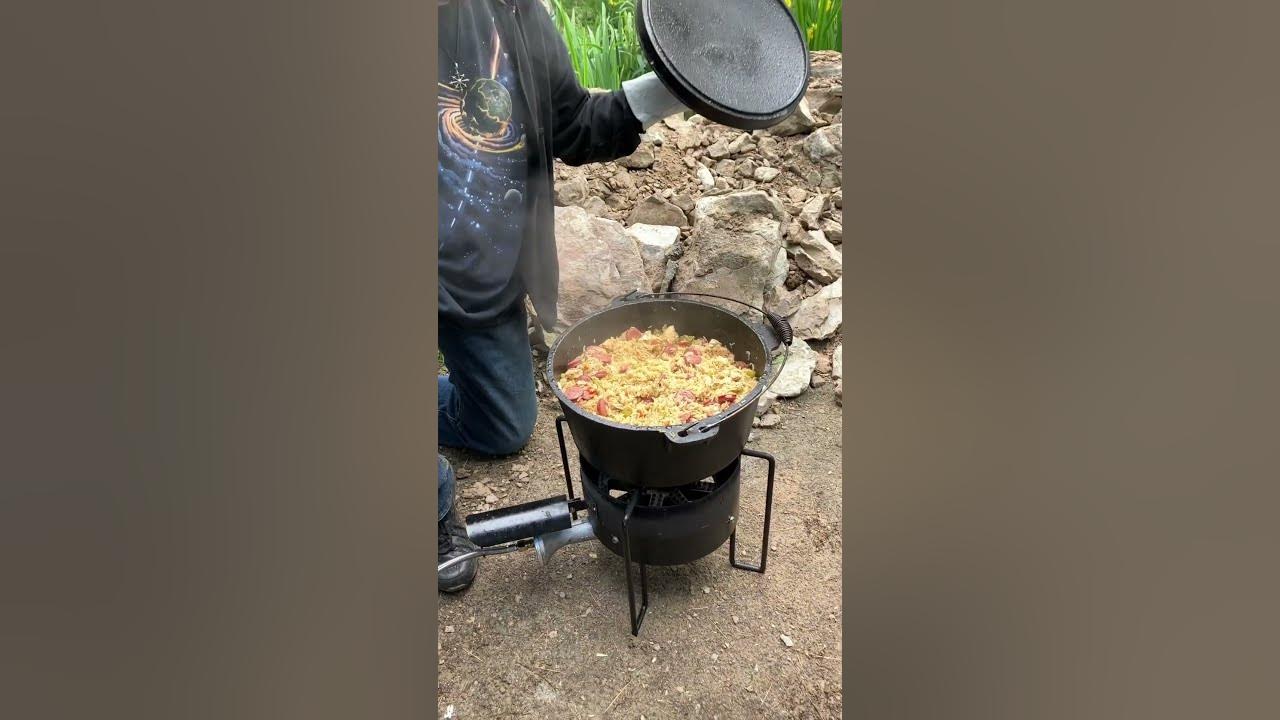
(644, 524)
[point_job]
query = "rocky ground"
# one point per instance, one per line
(702, 208)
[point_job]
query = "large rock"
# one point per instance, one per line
(827, 99)
(571, 191)
(811, 212)
(799, 122)
(825, 64)
(833, 229)
(817, 257)
(598, 262)
(820, 314)
(795, 377)
(825, 145)
(595, 206)
(656, 244)
(734, 248)
(653, 210)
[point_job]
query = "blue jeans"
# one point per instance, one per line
(488, 402)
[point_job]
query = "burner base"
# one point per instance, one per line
(667, 527)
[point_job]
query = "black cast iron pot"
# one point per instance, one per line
(661, 457)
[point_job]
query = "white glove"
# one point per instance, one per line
(650, 100)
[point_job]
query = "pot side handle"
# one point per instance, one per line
(692, 436)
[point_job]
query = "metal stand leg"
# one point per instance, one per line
(768, 514)
(636, 620)
(564, 460)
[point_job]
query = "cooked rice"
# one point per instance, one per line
(656, 378)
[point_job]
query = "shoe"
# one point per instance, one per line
(454, 542)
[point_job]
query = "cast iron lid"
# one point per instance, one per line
(741, 63)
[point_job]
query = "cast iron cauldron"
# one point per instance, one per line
(661, 457)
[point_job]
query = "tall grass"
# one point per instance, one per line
(604, 49)
(820, 21)
(602, 43)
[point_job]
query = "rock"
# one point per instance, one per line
(823, 367)
(733, 250)
(655, 136)
(598, 262)
(811, 212)
(798, 122)
(745, 168)
(786, 640)
(820, 314)
(725, 167)
(818, 380)
(705, 177)
(641, 159)
(684, 201)
(595, 206)
(689, 162)
(817, 257)
(831, 179)
(786, 302)
(475, 491)
(766, 174)
(840, 392)
(837, 199)
(622, 181)
(766, 402)
(795, 279)
(833, 229)
(825, 64)
(825, 145)
(719, 149)
(837, 362)
(688, 137)
(770, 420)
(617, 201)
(798, 195)
(741, 144)
(827, 99)
(780, 267)
(696, 119)
(571, 191)
(653, 210)
(795, 376)
(656, 244)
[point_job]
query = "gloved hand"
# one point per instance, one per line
(650, 100)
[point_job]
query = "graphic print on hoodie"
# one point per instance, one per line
(483, 165)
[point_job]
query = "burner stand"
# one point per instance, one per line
(665, 526)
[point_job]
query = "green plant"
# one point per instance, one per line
(603, 46)
(821, 22)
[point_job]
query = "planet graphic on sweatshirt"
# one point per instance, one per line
(486, 106)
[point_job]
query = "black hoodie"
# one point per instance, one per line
(509, 104)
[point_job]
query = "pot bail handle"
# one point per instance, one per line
(780, 325)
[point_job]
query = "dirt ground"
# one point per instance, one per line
(532, 642)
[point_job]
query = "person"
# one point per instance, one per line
(509, 104)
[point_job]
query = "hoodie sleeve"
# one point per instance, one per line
(585, 127)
